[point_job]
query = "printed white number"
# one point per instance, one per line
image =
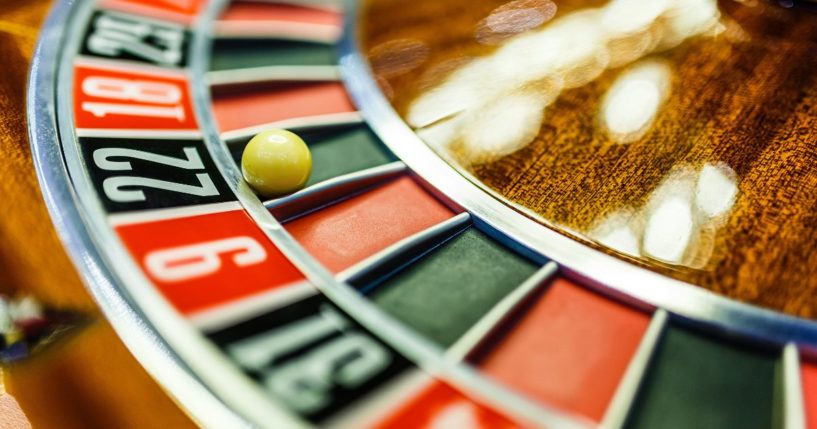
(102, 158)
(258, 352)
(198, 260)
(100, 110)
(142, 91)
(156, 99)
(306, 383)
(114, 187)
(346, 361)
(114, 36)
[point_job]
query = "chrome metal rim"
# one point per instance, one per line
(142, 339)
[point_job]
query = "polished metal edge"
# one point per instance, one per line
(143, 341)
(411, 345)
(606, 273)
(332, 191)
(794, 409)
(331, 120)
(615, 417)
(271, 74)
(207, 386)
(402, 252)
(502, 311)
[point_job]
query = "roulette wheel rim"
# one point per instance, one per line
(139, 335)
(171, 350)
(168, 347)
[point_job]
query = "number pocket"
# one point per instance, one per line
(152, 173)
(120, 37)
(114, 187)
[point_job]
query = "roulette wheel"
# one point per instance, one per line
(524, 213)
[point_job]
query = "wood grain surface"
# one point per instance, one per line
(87, 379)
(735, 136)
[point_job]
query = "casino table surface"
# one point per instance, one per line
(518, 214)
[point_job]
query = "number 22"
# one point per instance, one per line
(115, 187)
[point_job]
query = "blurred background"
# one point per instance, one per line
(73, 371)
